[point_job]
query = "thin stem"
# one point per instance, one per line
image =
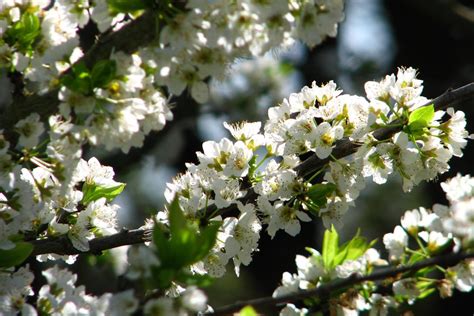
(315, 175)
(267, 155)
(420, 244)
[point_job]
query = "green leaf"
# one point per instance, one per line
(161, 243)
(351, 250)
(415, 257)
(252, 166)
(247, 311)
(421, 118)
(15, 256)
(162, 277)
(92, 191)
(30, 29)
(24, 32)
(318, 193)
(330, 247)
(206, 240)
(186, 245)
(426, 293)
(177, 220)
(183, 237)
(78, 80)
(383, 117)
(312, 207)
(103, 72)
(424, 113)
(182, 247)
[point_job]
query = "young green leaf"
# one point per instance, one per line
(162, 277)
(206, 240)
(424, 114)
(330, 247)
(178, 222)
(15, 256)
(79, 80)
(420, 119)
(415, 257)
(162, 245)
(318, 193)
(186, 244)
(103, 72)
(247, 311)
(351, 250)
(427, 292)
(92, 191)
(24, 32)
(253, 166)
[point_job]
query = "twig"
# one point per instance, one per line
(450, 259)
(63, 246)
(346, 148)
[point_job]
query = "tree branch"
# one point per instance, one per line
(63, 246)
(325, 290)
(344, 148)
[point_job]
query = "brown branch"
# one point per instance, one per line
(63, 246)
(325, 290)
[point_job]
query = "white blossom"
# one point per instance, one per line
(396, 243)
(30, 129)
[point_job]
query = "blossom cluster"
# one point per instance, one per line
(312, 273)
(210, 35)
(244, 185)
(62, 296)
(38, 38)
(40, 203)
(47, 190)
(118, 101)
(122, 111)
(440, 227)
(312, 122)
(423, 233)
